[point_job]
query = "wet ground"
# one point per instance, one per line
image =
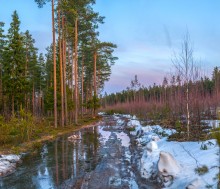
(106, 157)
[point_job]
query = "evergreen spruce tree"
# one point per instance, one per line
(30, 69)
(2, 40)
(14, 80)
(2, 45)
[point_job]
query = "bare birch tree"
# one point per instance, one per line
(186, 69)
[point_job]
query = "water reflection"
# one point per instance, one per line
(61, 164)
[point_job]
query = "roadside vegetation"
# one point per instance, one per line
(28, 133)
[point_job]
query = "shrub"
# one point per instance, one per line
(203, 147)
(178, 126)
(216, 134)
(110, 112)
(131, 128)
(202, 170)
(17, 129)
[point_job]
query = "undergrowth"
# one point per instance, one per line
(25, 128)
(18, 129)
(202, 170)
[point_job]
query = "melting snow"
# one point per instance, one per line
(105, 134)
(212, 123)
(189, 155)
(8, 163)
(125, 140)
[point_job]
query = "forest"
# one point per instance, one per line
(64, 83)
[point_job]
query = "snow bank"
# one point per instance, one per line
(8, 163)
(167, 165)
(191, 156)
(148, 164)
(133, 123)
(101, 113)
(175, 161)
(212, 123)
(172, 163)
(128, 116)
(151, 146)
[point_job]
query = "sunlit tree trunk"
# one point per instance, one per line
(76, 71)
(26, 67)
(54, 68)
(61, 69)
(94, 79)
(64, 72)
(33, 100)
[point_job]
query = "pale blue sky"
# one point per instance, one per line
(147, 33)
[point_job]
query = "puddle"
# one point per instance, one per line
(58, 162)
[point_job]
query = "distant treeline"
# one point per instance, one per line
(167, 103)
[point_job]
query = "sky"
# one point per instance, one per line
(147, 33)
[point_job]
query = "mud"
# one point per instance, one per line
(120, 165)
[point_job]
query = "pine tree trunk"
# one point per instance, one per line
(72, 74)
(64, 73)
(33, 99)
(13, 105)
(72, 78)
(69, 73)
(82, 86)
(94, 81)
(61, 70)
(54, 67)
(76, 71)
(25, 95)
(87, 97)
(1, 92)
(40, 104)
(70, 81)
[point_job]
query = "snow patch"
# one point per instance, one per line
(124, 138)
(8, 163)
(151, 146)
(104, 134)
(212, 123)
(180, 159)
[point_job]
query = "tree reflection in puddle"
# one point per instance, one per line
(61, 164)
